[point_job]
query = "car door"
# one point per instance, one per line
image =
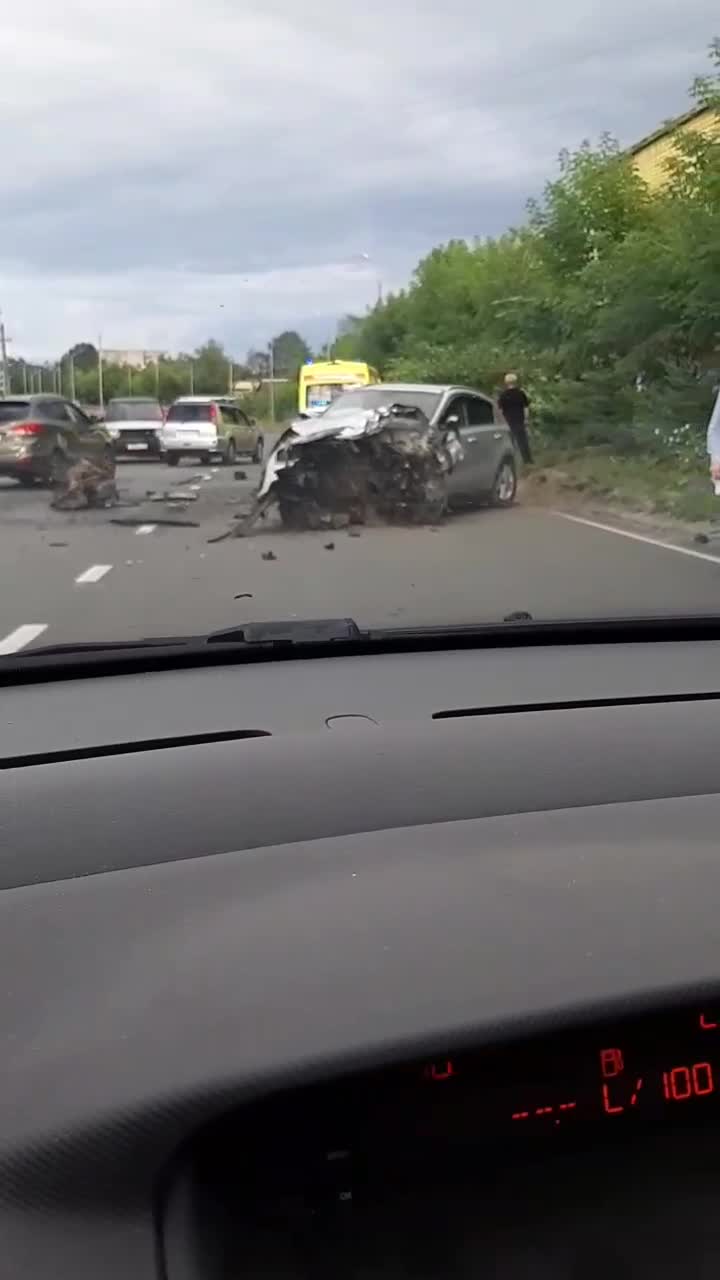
(245, 434)
(60, 433)
(487, 439)
(89, 438)
(226, 423)
(465, 479)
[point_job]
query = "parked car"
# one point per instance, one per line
(487, 471)
(134, 423)
(208, 427)
(41, 435)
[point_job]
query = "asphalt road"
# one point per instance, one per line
(78, 576)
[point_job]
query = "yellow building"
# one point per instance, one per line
(652, 153)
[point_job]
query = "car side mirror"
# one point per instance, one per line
(452, 421)
(304, 416)
(253, 422)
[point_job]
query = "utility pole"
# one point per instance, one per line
(192, 377)
(25, 384)
(101, 391)
(72, 377)
(4, 359)
(157, 377)
(272, 382)
(230, 377)
(129, 379)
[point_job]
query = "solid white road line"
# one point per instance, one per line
(639, 537)
(22, 636)
(146, 528)
(94, 573)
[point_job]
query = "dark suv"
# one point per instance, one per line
(41, 435)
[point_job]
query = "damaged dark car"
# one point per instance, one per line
(394, 452)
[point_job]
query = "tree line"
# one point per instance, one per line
(606, 300)
(208, 370)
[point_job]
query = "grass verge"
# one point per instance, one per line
(661, 486)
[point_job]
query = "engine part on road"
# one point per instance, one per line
(86, 484)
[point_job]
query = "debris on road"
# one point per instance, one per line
(58, 544)
(176, 524)
(172, 495)
(86, 484)
(239, 475)
(520, 615)
(269, 555)
(390, 463)
(244, 595)
(328, 546)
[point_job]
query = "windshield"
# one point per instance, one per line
(133, 411)
(377, 397)
(506, 218)
(320, 396)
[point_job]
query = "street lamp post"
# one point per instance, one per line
(272, 382)
(101, 392)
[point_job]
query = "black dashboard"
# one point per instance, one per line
(517, 1159)
(425, 997)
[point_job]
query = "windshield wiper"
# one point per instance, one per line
(293, 631)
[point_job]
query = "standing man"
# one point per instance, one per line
(515, 404)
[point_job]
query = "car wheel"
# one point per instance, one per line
(172, 459)
(259, 450)
(230, 453)
(505, 484)
(26, 482)
(205, 459)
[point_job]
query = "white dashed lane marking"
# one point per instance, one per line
(94, 573)
(146, 528)
(22, 636)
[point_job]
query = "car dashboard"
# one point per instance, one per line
(432, 992)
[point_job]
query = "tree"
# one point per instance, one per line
(258, 362)
(83, 355)
(290, 351)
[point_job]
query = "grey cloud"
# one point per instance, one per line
(262, 138)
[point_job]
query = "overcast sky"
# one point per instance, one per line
(174, 169)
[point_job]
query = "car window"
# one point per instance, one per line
(11, 410)
(78, 417)
(479, 411)
(133, 411)
(455, 408)
(229, 415)
(380, 396)
(190, 413)
(52, 411)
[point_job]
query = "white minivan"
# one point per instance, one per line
(209, 427)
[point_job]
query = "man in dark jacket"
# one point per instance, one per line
(514, 405)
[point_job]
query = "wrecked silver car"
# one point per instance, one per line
(396, 452)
